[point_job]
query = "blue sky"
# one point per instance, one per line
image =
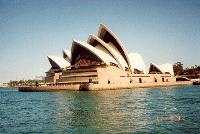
(162, 31)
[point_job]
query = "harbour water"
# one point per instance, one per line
(146, 110)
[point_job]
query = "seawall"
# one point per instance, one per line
(96, 87)
(50, 88)
(92, 87)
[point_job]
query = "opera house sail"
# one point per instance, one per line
(103, 59)
(103, 63)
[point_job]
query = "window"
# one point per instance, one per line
(140, 80)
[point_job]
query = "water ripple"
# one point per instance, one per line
(152, 110)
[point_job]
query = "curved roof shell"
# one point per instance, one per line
(111, 39)
(58, 62)
(101, 56)
(136, 62)
(66, 54)
(167, 67)
(164, 68)
(101, 45)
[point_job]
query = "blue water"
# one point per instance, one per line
(148, 110)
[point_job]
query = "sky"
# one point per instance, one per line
(161, 31)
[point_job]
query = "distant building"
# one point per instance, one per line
(103, 60)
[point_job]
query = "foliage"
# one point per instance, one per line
(25, 83)
(178, 68)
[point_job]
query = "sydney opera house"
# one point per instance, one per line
(103, 60)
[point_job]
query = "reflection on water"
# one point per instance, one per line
(153, 110)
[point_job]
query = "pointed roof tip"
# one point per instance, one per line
(65, 50)
(89, 38)
(74, 40)
(91, 35)
(102, 24)
(50, 56)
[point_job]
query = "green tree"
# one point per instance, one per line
(178, 68)
(198, 68)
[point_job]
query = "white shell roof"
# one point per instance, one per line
(67, 53)
(118, 55)
(61, 62)
(100, 54)
(104, 47)
(122, 51)
(107, 49)
(167, 67)
(136, 62)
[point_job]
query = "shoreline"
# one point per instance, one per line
(98, 87)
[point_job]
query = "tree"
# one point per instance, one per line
(178, 68)
(198, 68)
